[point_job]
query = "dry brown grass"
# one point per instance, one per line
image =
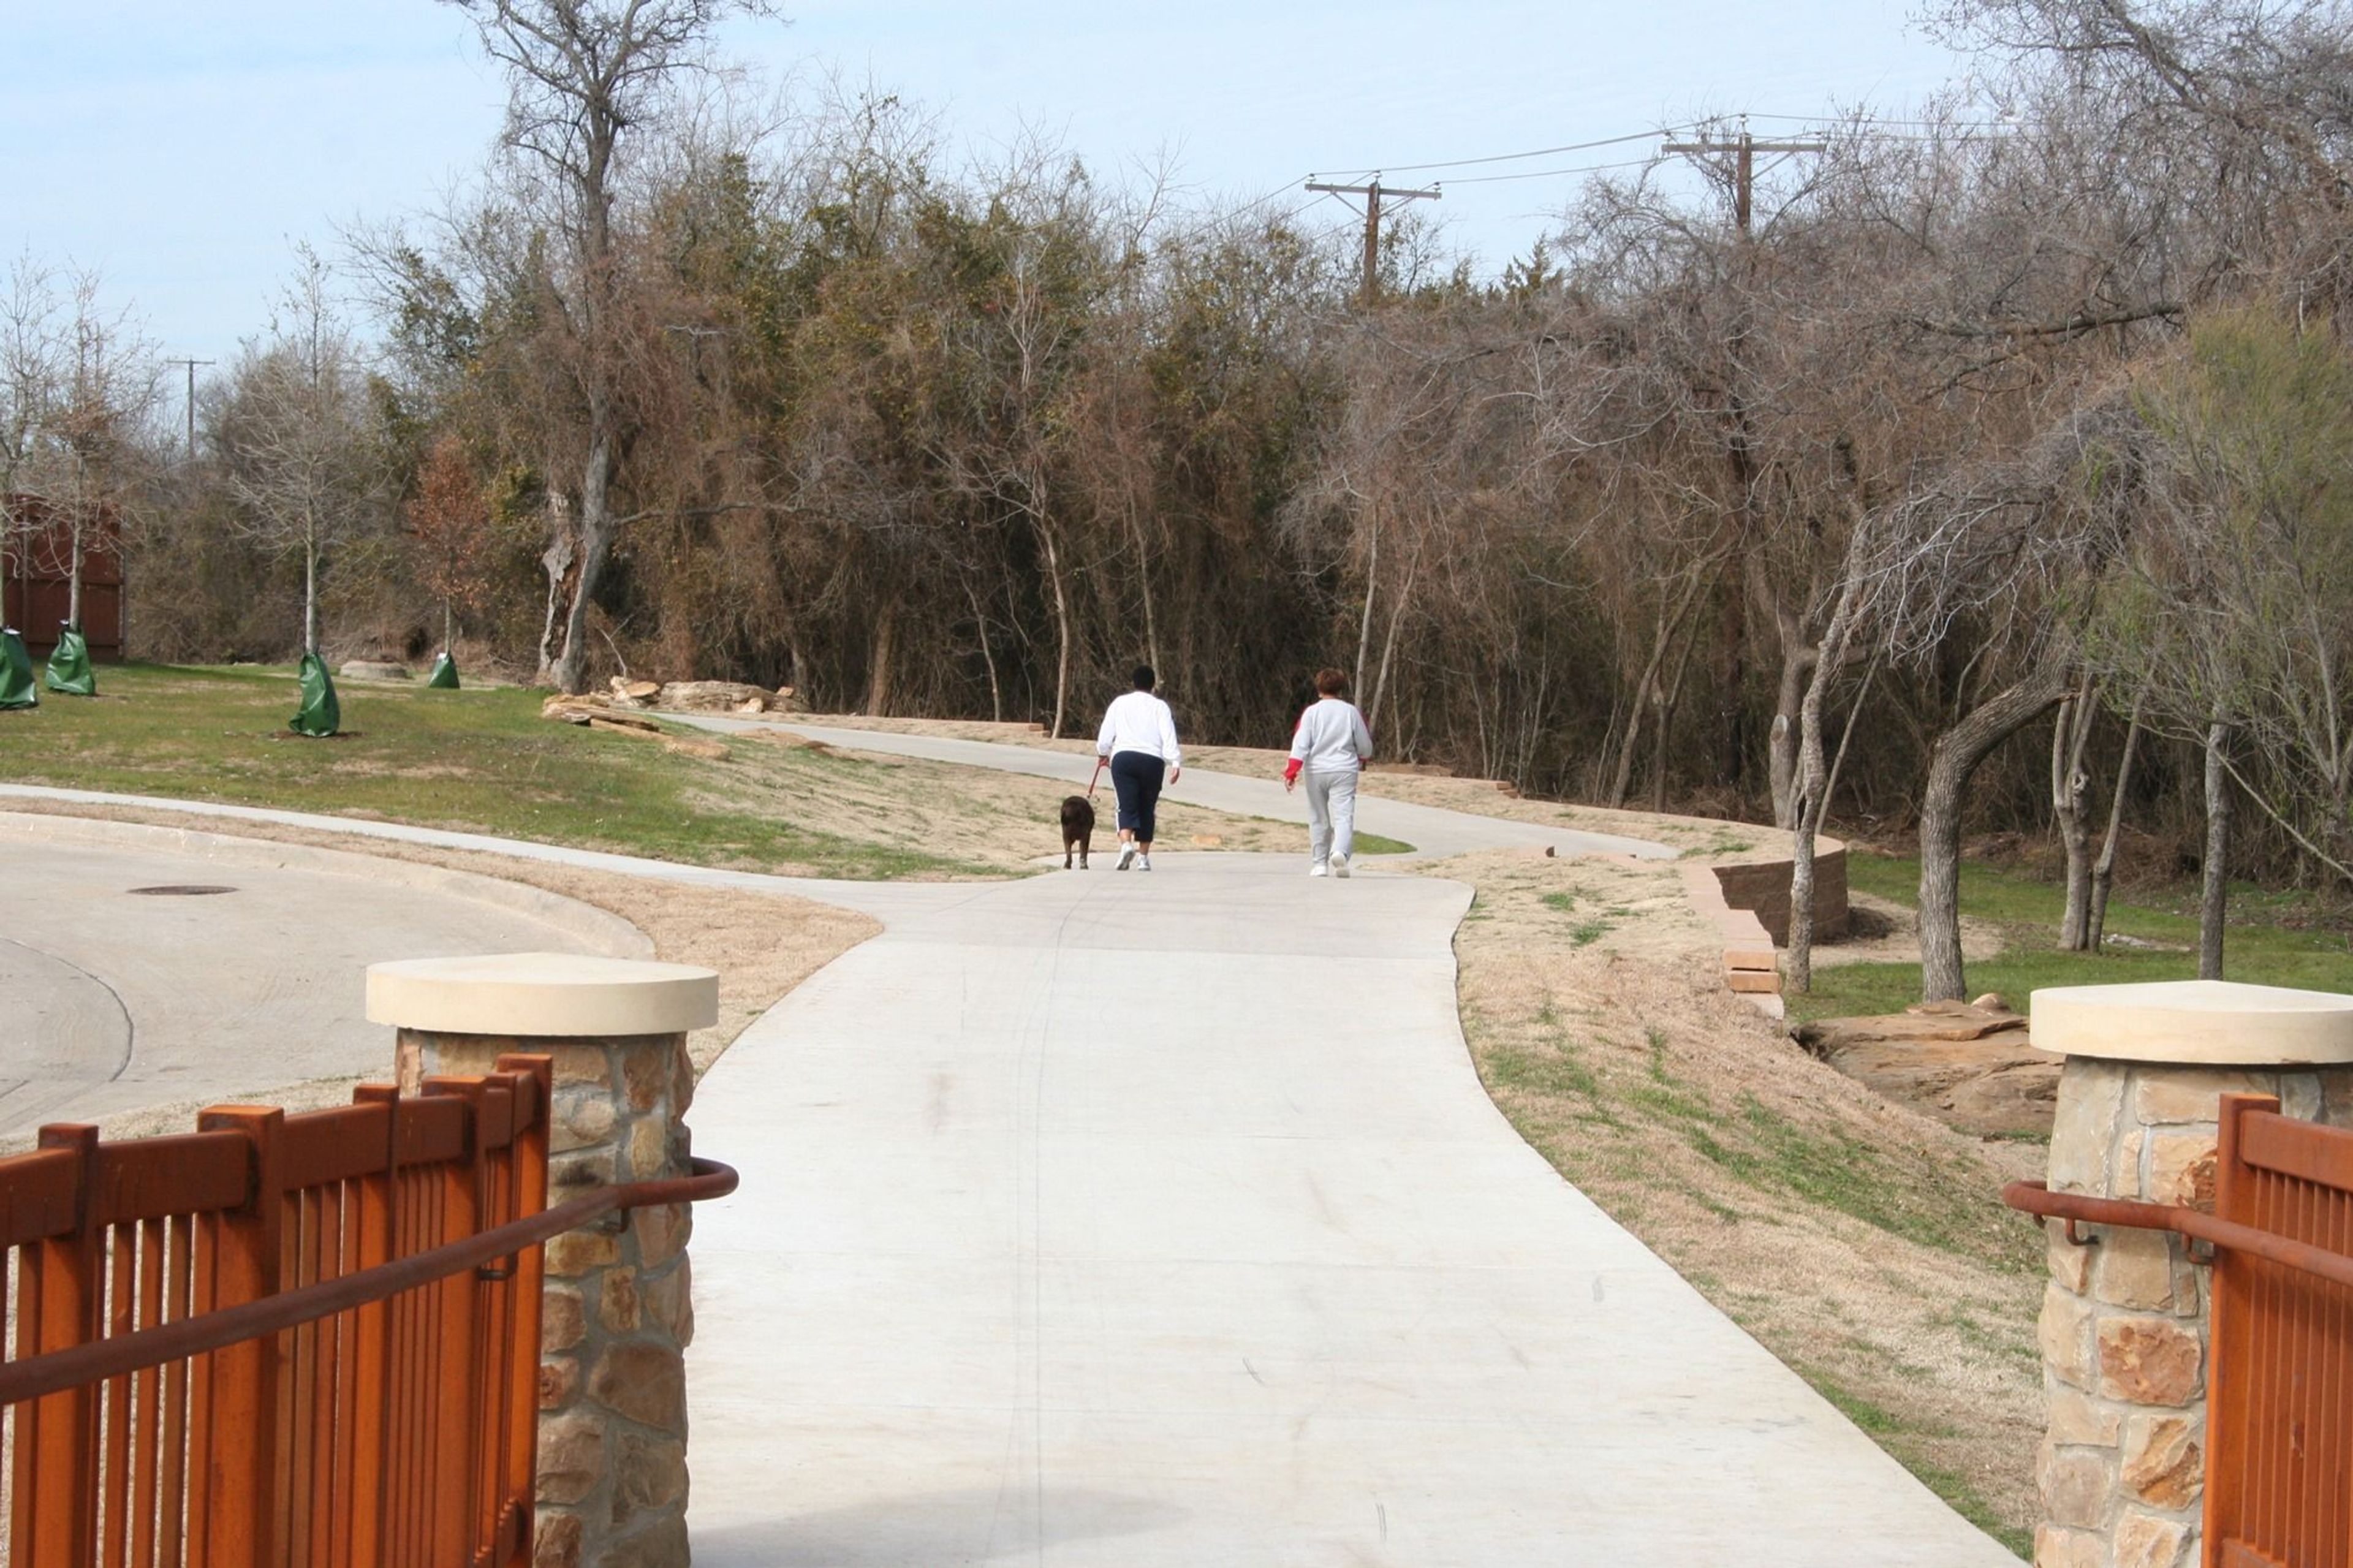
(1862, 1243)
(1705, 836)
(997, 821)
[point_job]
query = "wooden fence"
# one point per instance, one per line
(2279, 1478)
(305, 1340)
(2279, 1412)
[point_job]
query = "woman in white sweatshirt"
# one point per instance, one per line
(1139, 737)
(1332, 745)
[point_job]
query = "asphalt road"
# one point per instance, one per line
(114, 1000)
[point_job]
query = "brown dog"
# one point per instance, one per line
(1077, 828)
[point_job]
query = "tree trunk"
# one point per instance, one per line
(2214, 895)
(571, 669)
(987, 655)
(1621, 776)
(1062, 628)
(448, 626)
(2069, 796)
(309, 596)
(878, 666)
(1388, 647)
(1846, 733)
(1365, 622)
(1952, 761)
(556, 561)
(1798, 662)
(1144, 583)
(1807, 790)
(1663, 723)
(2104, 870)
(73, 575)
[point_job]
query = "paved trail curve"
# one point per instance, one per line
(1128, 1220)
(1118, 1220)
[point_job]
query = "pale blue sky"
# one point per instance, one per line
(181, 147)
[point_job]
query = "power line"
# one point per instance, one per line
(1833, 120)
(1513, 157)
(1547, 173)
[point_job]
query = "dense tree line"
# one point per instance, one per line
(2023, 417)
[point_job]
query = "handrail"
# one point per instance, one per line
(2037, 1198)
(86, 1363)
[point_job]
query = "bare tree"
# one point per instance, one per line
(300, 463)
(31, 360)
(583, 75)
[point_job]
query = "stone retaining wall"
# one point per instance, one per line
(1763, 888)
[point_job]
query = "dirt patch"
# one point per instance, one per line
(1861, 1241)
(1705, 837)
(762, 944)
(994, 823)
(1881, 931)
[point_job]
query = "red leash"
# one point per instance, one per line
(1098, 774)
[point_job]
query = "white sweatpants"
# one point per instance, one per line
(1331, 815)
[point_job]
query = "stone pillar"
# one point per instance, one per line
(616, 1310)
(2124, 1324)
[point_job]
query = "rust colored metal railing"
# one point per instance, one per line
(306, 1339)
(2279, 1453)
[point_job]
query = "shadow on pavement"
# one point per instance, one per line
(930, 1530)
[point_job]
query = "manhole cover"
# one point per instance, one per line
(184, 890)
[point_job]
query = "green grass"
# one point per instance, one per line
(2272, 941)
(1374, 844)
(480, 760)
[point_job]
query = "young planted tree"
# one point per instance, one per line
(449, 534)
(30, 364)
(106, 388)
(301, 461)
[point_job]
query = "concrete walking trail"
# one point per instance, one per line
(1122, 1220)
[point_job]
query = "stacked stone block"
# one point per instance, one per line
(616, 1307)
(2123, 1328)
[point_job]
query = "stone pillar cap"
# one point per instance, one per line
(2210, 1023)
(541, 996)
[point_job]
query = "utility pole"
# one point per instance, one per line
(192, 364)
(1743, 167)
(1373, 194)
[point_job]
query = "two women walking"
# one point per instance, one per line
(1330, 748)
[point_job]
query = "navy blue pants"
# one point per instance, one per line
(1136, 777)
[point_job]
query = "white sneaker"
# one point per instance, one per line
(1339, 864)
(1126, 857)
(1319, 870)
(1143, 862)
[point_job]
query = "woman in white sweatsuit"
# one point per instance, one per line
(1332, 745)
